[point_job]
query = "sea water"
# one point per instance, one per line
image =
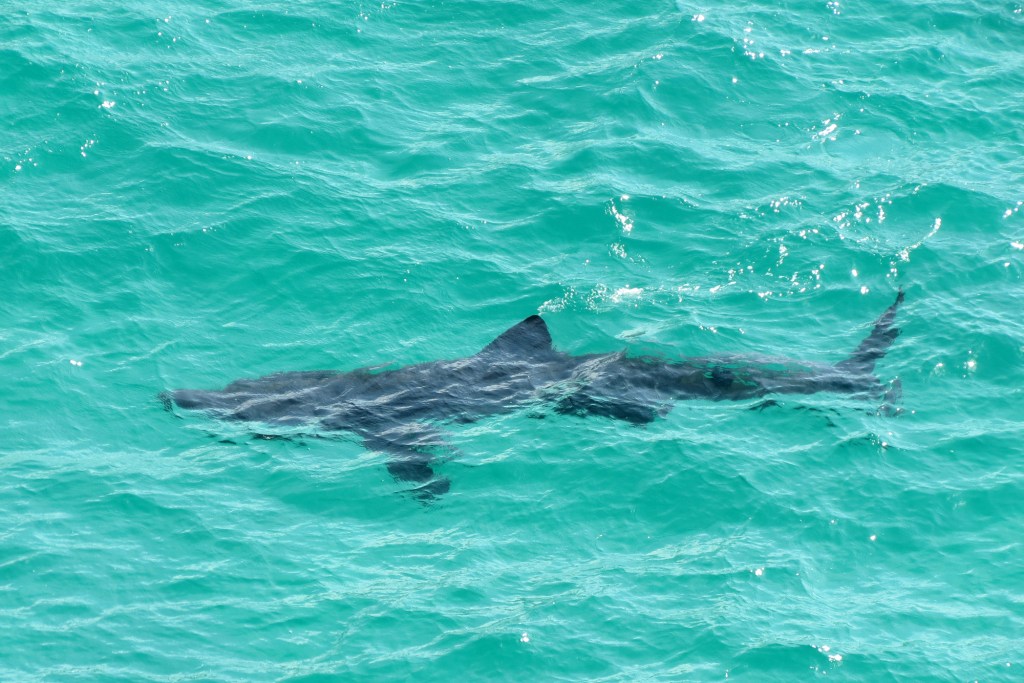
(194, 193)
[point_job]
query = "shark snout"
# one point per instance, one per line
(192, 399)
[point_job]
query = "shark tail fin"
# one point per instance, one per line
(874, 346)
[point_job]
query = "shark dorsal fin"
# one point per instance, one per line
(526, 339)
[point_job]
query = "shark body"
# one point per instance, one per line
(398, 411)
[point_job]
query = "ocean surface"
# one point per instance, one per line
(192, 193)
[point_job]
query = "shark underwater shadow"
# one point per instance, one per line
(398, 411)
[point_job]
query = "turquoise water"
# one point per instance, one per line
(189, 196)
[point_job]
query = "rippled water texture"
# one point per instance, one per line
(192, 195)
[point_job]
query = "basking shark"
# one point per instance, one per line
(399, 411)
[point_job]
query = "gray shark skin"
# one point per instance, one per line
(398, 411)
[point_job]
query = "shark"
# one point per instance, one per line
(401, 411)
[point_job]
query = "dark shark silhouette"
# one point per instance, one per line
(397, 411)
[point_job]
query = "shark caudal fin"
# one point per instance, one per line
(873, 348)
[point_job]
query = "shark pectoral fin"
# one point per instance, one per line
(411, 451)
(414, 467)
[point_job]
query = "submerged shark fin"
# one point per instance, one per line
(526, 339)
(411, 450)
(883, 334)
